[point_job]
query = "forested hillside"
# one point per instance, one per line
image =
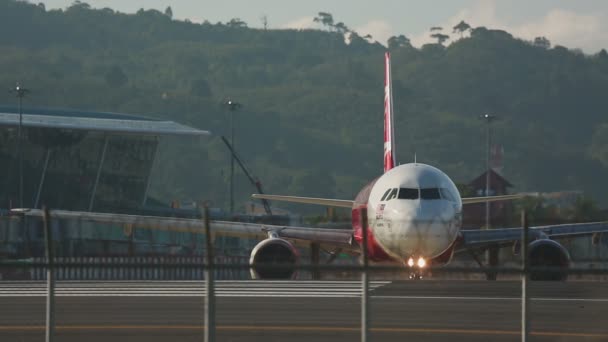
(311, 121)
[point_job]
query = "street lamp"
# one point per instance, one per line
(232, 107)
(491, 253)
(20, 92)
(488, 119)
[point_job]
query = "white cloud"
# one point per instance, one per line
(301, 23)
(568, 28)
(563, 27)
(380, 30)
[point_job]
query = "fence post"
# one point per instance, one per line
(525, 300)
(209, 291)
(364, 281)
(314, 260)
(50, 281)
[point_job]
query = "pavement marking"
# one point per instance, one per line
(493, 298)
(227, 288)
(21, 328)
(325, 289)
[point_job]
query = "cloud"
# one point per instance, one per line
(380, 30)
(586, 31)
(564, 27)
(301, 23)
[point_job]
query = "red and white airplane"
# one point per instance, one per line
(414, 214)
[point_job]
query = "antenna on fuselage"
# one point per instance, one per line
(415, 158)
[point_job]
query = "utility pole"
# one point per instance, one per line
(20, 92)
(232, 107)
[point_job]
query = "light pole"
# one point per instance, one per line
(20, 92)
(491, 253)
(488, 119)
(232, 107)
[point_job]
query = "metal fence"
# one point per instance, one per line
(210, 268)
(133, 268)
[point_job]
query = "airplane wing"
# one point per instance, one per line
(329, 238)
(349, 204)
(471, 200)
(503, 236)
(308, 200)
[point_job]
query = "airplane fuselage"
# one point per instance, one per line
(413, 211)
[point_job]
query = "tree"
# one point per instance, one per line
(200, 88)
(584, 210)
(399, 41)
(169, 12)
(599, 144)
(236, 23)
(79, 5)
(441, 38)
(436, 33)
(341, 27)
(465, 190)
(116, 77)
(542, 42)
(264, 19)
(324, 18)
(461, 28)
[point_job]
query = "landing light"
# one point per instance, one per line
(421, 262)
(410, 262)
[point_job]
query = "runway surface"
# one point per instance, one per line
(306, 310)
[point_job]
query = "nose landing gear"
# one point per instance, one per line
(416, 268)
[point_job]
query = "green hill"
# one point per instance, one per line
(312, 117)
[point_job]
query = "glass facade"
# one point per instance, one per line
(76, 170)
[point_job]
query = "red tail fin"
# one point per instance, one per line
(389, 130)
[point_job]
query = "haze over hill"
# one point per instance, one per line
(576, 24)
(312, 117)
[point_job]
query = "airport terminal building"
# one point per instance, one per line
(84, 161)
(78, 160)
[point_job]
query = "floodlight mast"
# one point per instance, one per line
(20, 93)
(232, 107)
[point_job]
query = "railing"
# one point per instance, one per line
(134, 268)
(53, 268)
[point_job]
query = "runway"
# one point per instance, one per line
(305, 311)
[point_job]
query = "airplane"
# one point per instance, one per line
(414, 215)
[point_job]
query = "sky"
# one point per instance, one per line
(575, 24)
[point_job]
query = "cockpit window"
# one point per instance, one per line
(392, 195)
(447, 194)
(405, 193)
(385, 194)
(430, 194)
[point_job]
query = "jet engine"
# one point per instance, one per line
(273, 258)
(548, 253)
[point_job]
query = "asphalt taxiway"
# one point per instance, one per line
(306, 310)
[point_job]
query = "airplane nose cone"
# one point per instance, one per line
(424, 230)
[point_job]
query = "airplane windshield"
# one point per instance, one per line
(385, 194)
(447, 194)
(430, 194)
(392, 194)
(405, 193)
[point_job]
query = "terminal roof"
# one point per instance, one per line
(94, 121)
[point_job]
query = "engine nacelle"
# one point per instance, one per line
(274, 258)
(548, 253)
